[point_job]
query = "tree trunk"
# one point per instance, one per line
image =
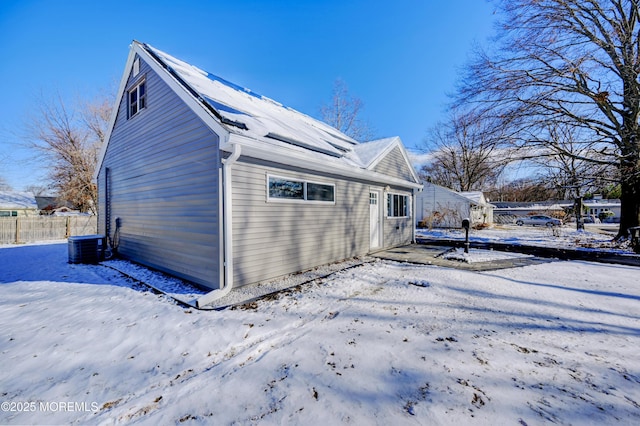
(630, 196)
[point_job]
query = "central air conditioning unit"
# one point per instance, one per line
(86, 248)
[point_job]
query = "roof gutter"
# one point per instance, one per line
(226, 281)
(291, 156)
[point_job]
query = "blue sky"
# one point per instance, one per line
(400, 58)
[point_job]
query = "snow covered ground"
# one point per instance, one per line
(598, 237)
(381, 343)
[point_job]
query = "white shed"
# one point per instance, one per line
(440, 207)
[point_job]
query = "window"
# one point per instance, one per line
(397, 205)
(137, 98)
(284, 188)
(280, 188)
(320, 192)
(373, 198)
(5, 213)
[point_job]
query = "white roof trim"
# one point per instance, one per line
(290, 156)
(396, 142)
(114, 113)
(194, 104)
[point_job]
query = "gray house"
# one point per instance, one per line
(218, 185)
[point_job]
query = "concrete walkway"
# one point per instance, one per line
(603, 256)
(426, 254)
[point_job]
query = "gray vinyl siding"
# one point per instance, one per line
(271, 239)
(394, 164)
(164, 186)
(398, 231)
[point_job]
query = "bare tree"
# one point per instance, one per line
(4, 186)
(522, 190)
(574, 62)
(343, 113)
(68, 141)
(37, 190)
(564, 167)
(465, 154)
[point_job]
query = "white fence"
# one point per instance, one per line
(42, 228)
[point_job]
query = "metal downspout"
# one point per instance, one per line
(227, 239)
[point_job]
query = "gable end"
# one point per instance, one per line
(395, 164)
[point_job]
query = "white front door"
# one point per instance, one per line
(374, 219)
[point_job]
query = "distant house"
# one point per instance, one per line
(17, 204)
(507, 212)
(48, 205)
(596, 206)
(440, 207)
(216, 184)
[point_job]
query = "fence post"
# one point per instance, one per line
(17, 229)
(68, 229)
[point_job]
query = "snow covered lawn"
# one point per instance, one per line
(383, 343)
(592, 237)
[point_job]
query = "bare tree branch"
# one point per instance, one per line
(569, 63)
(68, 142)
(466, 154)
(343, 113)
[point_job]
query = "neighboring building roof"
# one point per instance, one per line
(51, 203)
(602, 203)
(261, 125)
(477, 197)
(545, 205)
(11, 200)
(553, 204)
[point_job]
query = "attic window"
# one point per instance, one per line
(137, 98)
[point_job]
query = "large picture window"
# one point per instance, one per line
(280, 188)
(286, 188)
(397, 205)
(137, 98)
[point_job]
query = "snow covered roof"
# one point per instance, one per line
(477, 197)
(17, 200)
(262, 126)
(245, 112)
(371, 151)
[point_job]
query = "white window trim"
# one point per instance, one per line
(136, 87)
(409, 204)
(304, 181)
